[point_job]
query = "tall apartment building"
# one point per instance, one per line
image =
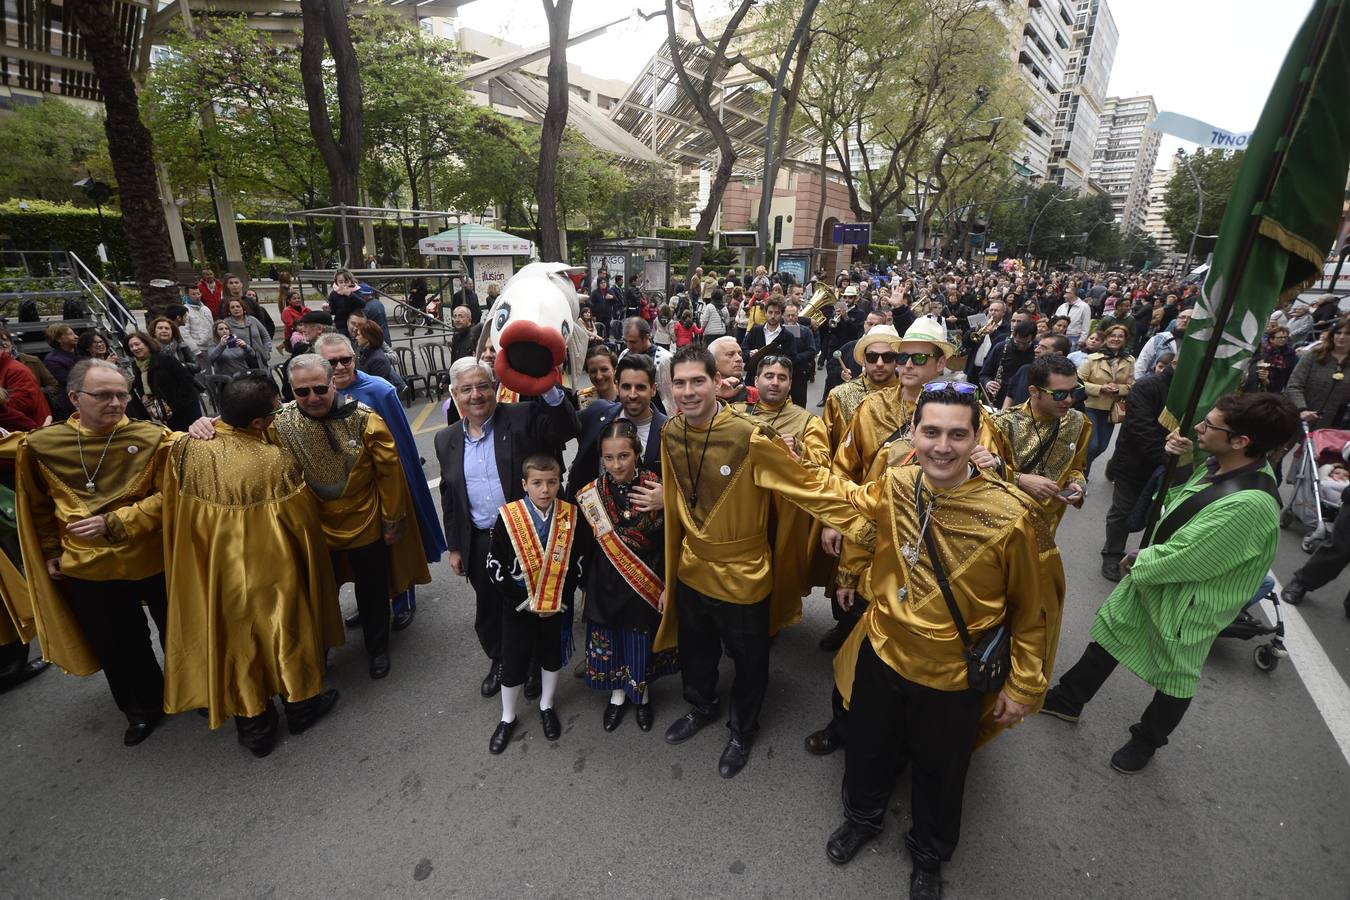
(1153, 218)
(1126, 152)
(1083, 93)
(1040, 35)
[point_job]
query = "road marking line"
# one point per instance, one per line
(421, 419)
(1329, 692)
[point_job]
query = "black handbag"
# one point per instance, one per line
(989, 659)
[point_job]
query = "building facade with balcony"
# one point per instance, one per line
(1081, 99)
(1126, 152)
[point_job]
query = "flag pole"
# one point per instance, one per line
(1221, 315)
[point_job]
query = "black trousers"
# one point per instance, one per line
(487, 619)
(1324, 565)
(13, 657)
(890, 716)
(707, 625)
(260, 731)
(1126, 488)
(1081, 683)
(850, 616)
(370, 572)
(529, 640)
(109, 613)
(798, 392)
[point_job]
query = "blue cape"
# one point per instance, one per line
(380, 396)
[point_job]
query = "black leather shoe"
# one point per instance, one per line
(614, 715)
(139, 731)
(645, 716)
(492, 682)
(1057, 706)
(31, 669)
(353, 621)
(833, 639)
(552, 727)
(1131, 758)
(1111, 569)
(846, 841)
(501, 737)
(1294, 592)
(379, 665)
(327, 700)
(403, 620)
(533, 686)
(734, 757)
(925, 884)
(822, 742)
(686, 726)
(1346, 604)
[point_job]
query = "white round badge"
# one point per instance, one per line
(133, 448)
(725, 470)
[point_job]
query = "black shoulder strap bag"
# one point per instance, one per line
(1254, 480)
(989, 659)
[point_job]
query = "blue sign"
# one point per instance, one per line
(859, 233)
(795, 266)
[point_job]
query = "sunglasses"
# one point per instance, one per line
(1061, 396)
(777, 359)
(919, 359)
(959, 387)
(888, 357)
(342, 360)
(318, 390)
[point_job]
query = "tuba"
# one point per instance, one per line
(817, 310)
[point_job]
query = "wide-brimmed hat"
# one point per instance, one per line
(930, 331)
(851, 291)
(882, 334)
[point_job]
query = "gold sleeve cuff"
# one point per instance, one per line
(117, 532)
(845, 579)
(1021, 693)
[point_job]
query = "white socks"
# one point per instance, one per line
(509, 697)
(616, 697)
(549, 682)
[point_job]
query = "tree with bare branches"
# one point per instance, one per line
(559, 13)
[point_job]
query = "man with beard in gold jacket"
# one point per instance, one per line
(254, 607)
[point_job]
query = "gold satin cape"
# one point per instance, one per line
(253, 606)
(845, 400)
(16, 610)
(361, 485)
(719, 546)
(796, 535)
(1014, 436)
(51, 494)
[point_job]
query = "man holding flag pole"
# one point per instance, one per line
(1218, 531)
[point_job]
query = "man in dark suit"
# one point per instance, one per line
(481, 458)
(636, 383)
(770, 334)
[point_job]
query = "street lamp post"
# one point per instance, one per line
(99, 192)
(1031, 232)
(981, 97)
(1200, 208)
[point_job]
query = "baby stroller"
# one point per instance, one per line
(1246, 626)
(1310, 504)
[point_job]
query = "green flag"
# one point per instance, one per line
(1282, 214)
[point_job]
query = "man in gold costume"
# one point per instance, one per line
(795, 534)
(878, 374)
(254, 606)
(721, 469)
(1041, 445)
(87, 577)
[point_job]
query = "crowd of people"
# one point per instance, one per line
(962, 414)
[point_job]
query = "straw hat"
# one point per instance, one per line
(851, 291)
(930, 331)
(882, 334)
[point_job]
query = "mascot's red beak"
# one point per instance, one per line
(528, 357)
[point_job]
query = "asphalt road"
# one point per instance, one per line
(395, 795)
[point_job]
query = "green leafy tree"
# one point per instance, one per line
(1217, 172)
(48, 147)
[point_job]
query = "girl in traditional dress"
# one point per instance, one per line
(623, 564)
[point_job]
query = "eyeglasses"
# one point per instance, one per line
(1060, 396)
(318, 390)
(482, 387)
(1205, 425)
(342, 360)
(960, 387)
(107, 396)
(919, 359)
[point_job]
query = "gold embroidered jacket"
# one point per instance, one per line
(1016, 436)
(843, 403)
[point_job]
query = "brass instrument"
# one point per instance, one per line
(817, 310)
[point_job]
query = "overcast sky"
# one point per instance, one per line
(1211, 59)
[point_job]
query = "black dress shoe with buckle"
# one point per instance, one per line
(327, 700)
(353, 621)
(822, 742)
(734, 757)
(533, 685)
(644, 716)
(501, 737)
(687, 725)
(379, 665)
(846, 841)
(492, 681)
(614, 715)
(139, 731)
(552, 727)
(925, 884)
(403, 619)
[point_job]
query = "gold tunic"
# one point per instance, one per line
(351, 463)
(16, 610)
(843, 403)
(718, 481)
(796, 535)
(253, 606)
(1016, 435)
(52, 494)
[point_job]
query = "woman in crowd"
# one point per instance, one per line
(234, 290)
(290, 315)
(247, 329)
(1091, 343)
(93, 345)
(1319, 385)
(170, 340)
(600, 365)
(1273, 363)
(370, 351)
(685, 329)
(23, 406)
(1107, 375)
(63, 341)
(162, 385)
(45, 380)
(230, 356)
(621, 609)
(588, 322)
(285, 285)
